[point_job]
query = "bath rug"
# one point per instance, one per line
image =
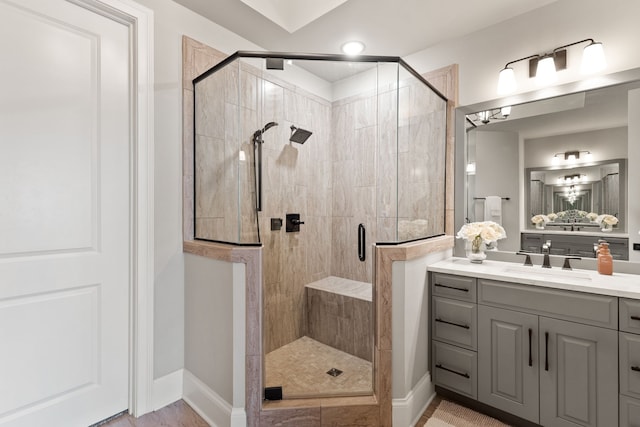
(449, 414)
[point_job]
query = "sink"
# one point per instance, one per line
(548, 273)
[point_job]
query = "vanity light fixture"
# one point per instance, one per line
(571, 156)
(545, 66)
(572, 179)
(485, 117)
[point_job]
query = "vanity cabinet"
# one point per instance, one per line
(454, 333)
(629, 362)
(546, 370)
(546, 355)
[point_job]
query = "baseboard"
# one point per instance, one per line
(210, 405)
(408, 410)
(167, 389)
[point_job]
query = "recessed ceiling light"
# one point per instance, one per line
(353, 47)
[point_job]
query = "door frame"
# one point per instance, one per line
(139, 20)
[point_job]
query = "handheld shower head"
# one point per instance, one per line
(269, 126)
(257, 135)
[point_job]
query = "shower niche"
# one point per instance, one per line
(355, 147)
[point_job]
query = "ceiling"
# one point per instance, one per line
(387, 27)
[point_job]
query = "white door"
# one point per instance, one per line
(64, 214)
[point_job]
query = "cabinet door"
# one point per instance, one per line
(508, 361)
(578, 374)
(630, 365)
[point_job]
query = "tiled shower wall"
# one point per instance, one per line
(345, 174)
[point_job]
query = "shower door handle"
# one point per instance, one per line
(361, 243)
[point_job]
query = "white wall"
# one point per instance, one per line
(497, 174)
(172, 21)
(411, 387)
(483, 54)
(604, 144)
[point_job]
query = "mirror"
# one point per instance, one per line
(574, 198)
(561, 150)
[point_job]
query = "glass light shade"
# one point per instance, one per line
(555, 160)
(505, 111)
(589, 157)
(593, 59)
(506, 81)
(471, 168)
(546, 71)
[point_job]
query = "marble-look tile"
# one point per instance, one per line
(355, 416)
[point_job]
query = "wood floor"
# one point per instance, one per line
(180, 414)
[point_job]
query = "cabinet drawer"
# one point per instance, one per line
(455, 368)
(590, 309)
(455, 322)
(629, 364)
(630, 315)
(629, 412)
(456, 287)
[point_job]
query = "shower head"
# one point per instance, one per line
(257, 135)
(299, 135)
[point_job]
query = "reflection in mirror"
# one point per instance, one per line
(577, 198)
(562, 157)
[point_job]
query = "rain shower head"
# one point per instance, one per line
(299, 135)
(257, 135)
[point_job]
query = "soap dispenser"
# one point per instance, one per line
(605, 260)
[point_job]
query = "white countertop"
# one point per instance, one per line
(618, 284)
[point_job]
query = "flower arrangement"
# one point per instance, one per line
(552, 216)
(591, 216)
(606, 221)
(561, 214)
(540, 220)
(582, 214)
(478, 235)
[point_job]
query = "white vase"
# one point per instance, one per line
(540, 225)
(606, 227)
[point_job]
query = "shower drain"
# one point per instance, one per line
(334, 372)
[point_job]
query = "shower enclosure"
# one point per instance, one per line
(315, 158)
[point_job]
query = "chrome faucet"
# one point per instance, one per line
(545, 251)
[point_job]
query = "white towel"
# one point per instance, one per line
(493, 209)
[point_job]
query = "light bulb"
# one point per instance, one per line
(571, 158)
(506, 81)
(593, 59)
(353, 47)
(546, 71)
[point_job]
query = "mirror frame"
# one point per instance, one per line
(460, 184)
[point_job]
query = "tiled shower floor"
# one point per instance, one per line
(301, 369)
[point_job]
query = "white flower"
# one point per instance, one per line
(562, 214)
(607, 219)
(592, 216)
(488, 231)
(582, 214)
(540, 218)
(552, 216)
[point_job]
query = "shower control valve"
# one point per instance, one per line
(293, 223)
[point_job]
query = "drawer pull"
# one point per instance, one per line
(546, 351)
(530, 355)
(635, 368)
(451, 287)
(635, 317)
(459, 325)
(462, 374)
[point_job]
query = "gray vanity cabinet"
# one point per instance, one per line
(548, 371)
(629, 341)
(578, 374)
(508, 361)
